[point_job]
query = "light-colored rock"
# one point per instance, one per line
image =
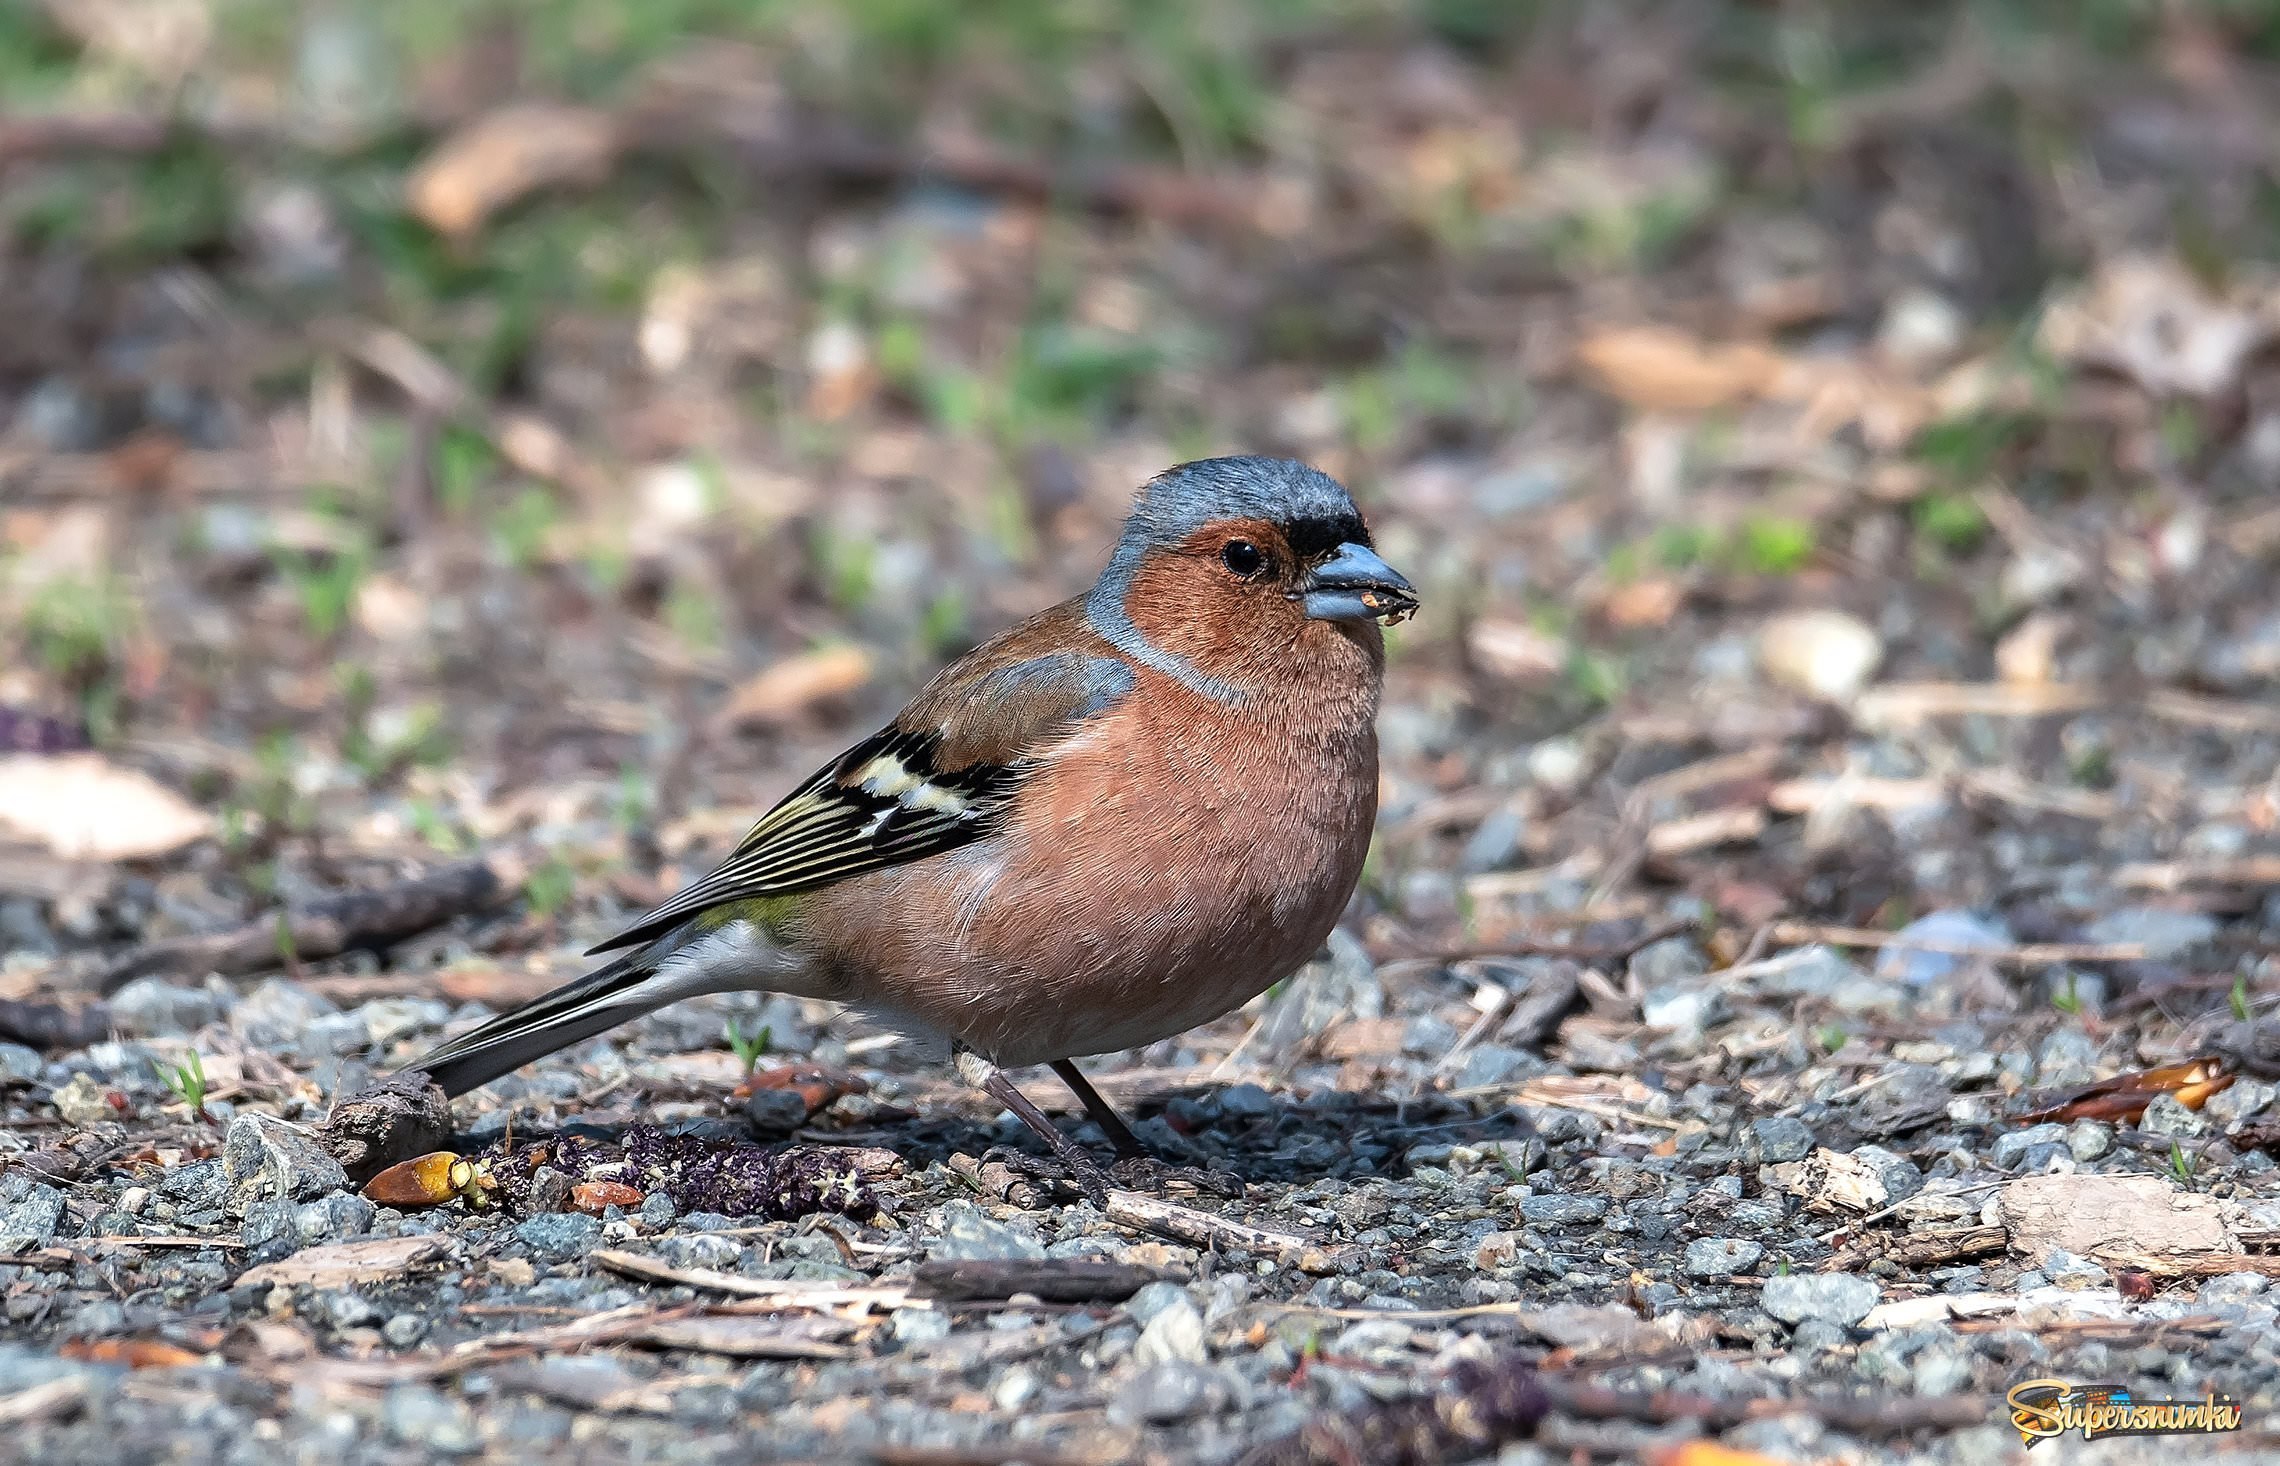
(1828, 654)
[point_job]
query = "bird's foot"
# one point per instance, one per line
(1072, 1170)
(1146, 1173)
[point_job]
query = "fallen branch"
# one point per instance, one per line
(1207, 1229)
(350, 921)
(2024, 954)
(1053, 1280)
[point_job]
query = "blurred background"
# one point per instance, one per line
(454, 426)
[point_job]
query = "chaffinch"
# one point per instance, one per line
(1127, 815)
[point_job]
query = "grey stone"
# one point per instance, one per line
(1685, 1011)
(1918, 968)
(341, 1308)
(1667, 962)
(2087, 1140)
(2233, 1288)
(966, 1233)
(2162, 932)
(1487, 1064)
(20, 1065)
(32, 1219)
(1247, 1101)
(560, 1236)
(919, 1325)
(2071, 1269)
(1564, 1211)
(269, 1230)
(2066, 1056)
(1898, 1174)
(1379, 1341)
(1838, 1298)
(404, 1330)
(1721, 1257)
(152, 1007)
(701, 1250)
(2239, 1100)
(1168, 1393)
(2011, 1146)
(262, 1156)
(419, 1416)
(1154, 1298)
(330, 1218)
(1941, 1370)
(277, 1013)
(1779, 1138)
(772, 1114)
(2165, 1116)
(1175, 1333)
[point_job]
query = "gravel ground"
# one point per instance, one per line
(1818, 965)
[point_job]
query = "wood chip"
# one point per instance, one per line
(342, 1264)
(788, 689)
(2091, 1215)
(757, 1336)
(1663, 370)
(505, 155)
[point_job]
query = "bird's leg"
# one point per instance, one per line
(1136, 1165)
(1077, 1167)
(1103, 1113)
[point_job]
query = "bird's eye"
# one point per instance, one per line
(1243, 557)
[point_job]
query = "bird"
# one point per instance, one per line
(1123, 817)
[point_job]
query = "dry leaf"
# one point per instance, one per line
(2125, 1096)
(505, 155)
(2151, 319)
(1644, 604)
(84, 807)
(1707, 1453)
(1663, 370)
(790, 688)
(133, 1353)
(2028, 653)
(1516, 652)
(345, 1264)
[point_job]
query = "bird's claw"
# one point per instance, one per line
(1076, 1171)
(1146, 1173)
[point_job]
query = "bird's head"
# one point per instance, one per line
(1227, 557)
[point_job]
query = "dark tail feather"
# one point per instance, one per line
(576, 1011)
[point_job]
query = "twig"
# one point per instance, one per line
(1052, 1280)
(64, 1396)
(782, 1292)
(2176, 875)
(1206, 1229)
(327, 928)
(2026, 954)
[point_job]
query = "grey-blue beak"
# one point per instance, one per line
(1355, 585)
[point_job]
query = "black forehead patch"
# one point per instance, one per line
(1281, 491)
(1319, 536)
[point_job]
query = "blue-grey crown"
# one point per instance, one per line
(1181, 500)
